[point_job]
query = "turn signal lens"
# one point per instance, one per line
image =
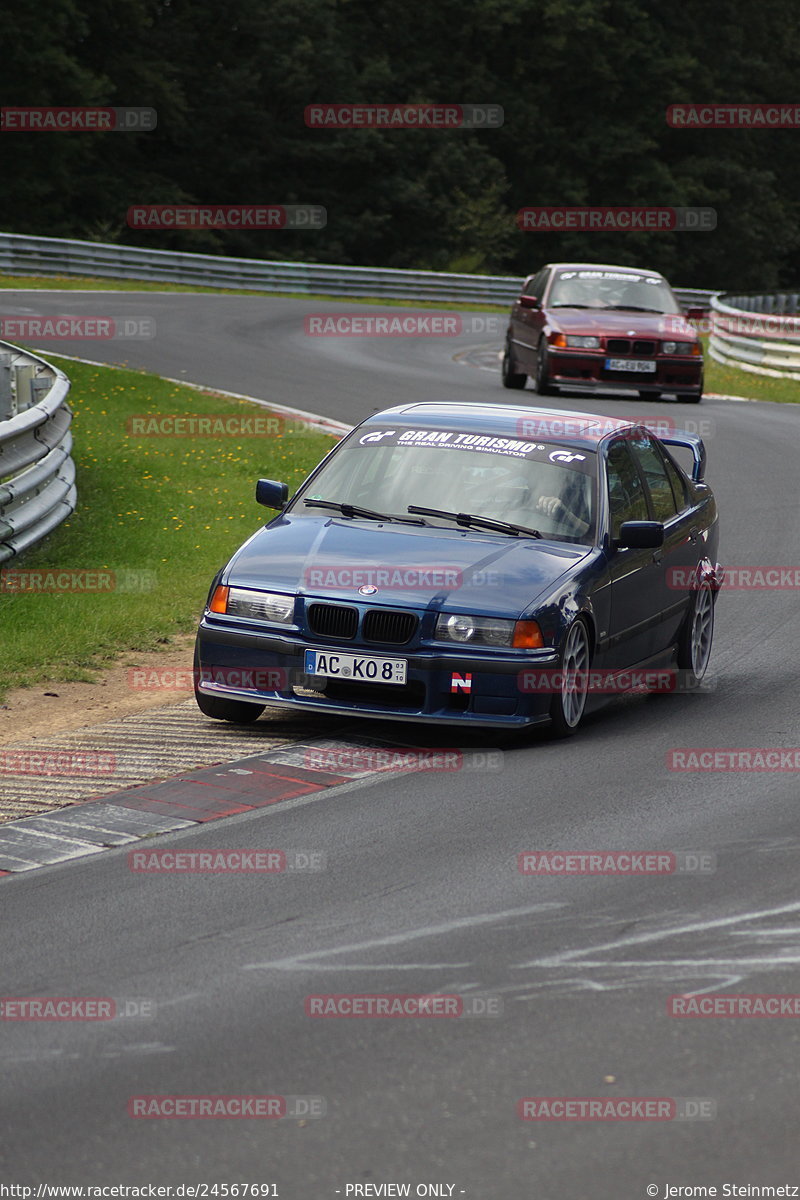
(527, 636)
(219, 601)
(697, 348)
(559, 340)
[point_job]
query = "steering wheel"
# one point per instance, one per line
(557, 511)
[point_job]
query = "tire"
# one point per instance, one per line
(697, 635)
(693, 397)
(511, 378)
(541, 380)
(238, 712)
(568, 704)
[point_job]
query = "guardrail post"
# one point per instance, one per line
(40, 386)
(7, 405)
(24, 377)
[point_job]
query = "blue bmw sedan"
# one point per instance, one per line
(467, 564)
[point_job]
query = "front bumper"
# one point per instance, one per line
(673, 373)
(267, 668)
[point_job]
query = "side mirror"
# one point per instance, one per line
(529, 302)
(695, 314)
(272, 494)
(640, 535)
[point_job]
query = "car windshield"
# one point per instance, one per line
(612, 289)
(542, 486)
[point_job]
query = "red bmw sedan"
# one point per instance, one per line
(587, 327)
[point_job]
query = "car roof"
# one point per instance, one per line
(558, 425)
(584, 266)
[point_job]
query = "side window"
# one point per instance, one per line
(626, 496)
(648, 457)
(678, 486)
(536, 285)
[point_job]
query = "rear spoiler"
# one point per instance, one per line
(690, 441)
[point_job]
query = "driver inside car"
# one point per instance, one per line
(512, 492)
(570, 507)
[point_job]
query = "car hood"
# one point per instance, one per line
(411, 568)
(620, 324)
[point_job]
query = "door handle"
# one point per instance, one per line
(694, 534)
(657, 557)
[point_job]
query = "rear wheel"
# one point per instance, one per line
(510, 375)
(569, 702)
(541, 381)
(238, 712)
(694, 646)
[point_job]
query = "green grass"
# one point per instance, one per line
(732, 382)
(71, 283)
(162, 513)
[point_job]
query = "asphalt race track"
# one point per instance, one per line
(422, 893)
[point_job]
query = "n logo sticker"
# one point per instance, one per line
(460, 683)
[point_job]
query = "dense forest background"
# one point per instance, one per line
(585, 85)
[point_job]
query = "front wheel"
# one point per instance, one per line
(541, 381)
(694, 645)
(238, 712)
(693, 397)
(569, 702)
(510, 376)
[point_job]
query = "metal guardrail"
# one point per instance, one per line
(37, 474)
(757, 333)
(22, 254)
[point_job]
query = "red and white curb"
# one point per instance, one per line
(195, 797)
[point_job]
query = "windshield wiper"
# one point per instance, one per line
(474, 519)
(636, 308)
(574, 306)
(355, 510)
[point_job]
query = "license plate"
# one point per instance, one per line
(358, 668)
(630, 364)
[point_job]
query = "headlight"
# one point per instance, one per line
(456, 629)
(678, 347)
(259, 606)
(487, 631)
(583, 343)
(480, 631)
